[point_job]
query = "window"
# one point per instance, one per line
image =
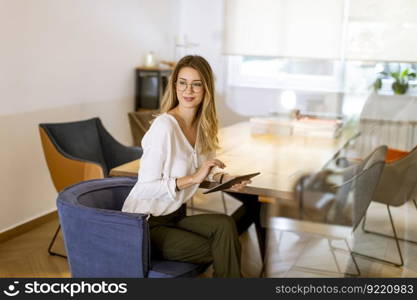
(299, 74)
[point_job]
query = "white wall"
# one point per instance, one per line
(63, 60)
(202, 21)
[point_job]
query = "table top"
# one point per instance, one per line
(280, 159)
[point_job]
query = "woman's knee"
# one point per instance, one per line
(224, 223)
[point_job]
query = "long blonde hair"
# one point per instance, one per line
(206, 116)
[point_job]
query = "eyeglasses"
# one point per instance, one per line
(182, 86)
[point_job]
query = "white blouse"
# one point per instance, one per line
(167, 155)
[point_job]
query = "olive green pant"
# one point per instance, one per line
(208, 238)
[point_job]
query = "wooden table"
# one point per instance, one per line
(280, 159)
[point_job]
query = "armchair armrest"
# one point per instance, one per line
(123, 240)
(114, 152)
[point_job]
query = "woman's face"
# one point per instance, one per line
(189, 87)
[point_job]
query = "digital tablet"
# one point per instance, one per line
(228, 184)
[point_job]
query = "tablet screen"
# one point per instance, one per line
(228, 184)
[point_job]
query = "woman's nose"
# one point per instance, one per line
(190, 88)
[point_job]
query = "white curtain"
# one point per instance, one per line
(382, 30)
(287, 28)
(376, 30)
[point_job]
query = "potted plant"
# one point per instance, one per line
(400, 84)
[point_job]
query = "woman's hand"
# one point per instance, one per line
(205, 169)
(238, 186)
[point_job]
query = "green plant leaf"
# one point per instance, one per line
(404, 73)
(395, 75)
(377, 84)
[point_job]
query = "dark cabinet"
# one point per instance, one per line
(150, 86)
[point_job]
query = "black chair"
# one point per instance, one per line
(81, 150)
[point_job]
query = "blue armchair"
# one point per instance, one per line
(103, 241)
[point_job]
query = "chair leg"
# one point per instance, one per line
(332, 248)
(387, 235)
(395, 237)
(334, 255)
(52, 243)
(358, 271)
(354, 261)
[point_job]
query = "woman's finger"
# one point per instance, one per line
(243, 183)
(237, 187)
(219, 163)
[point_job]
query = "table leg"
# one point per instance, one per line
(250, 212)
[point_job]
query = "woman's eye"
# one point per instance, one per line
(197, 84)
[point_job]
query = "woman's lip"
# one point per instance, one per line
(189, 99)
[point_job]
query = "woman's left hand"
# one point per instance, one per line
(238, 186)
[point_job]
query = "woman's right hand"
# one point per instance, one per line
(201, 174)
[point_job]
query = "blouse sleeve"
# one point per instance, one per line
(156, 146)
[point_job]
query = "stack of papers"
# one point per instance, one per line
(317, 127)
(314, 127)
(273, 126)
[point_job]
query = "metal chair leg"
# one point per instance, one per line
(354, 260)
(387, 235)
(334, 255)
(358, 271)
(396, 242)
(396, 237)
(339, 272)
(52, 243)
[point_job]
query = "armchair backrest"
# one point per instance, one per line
(82, 150)
(353, 193)
(80, 140)
(114, 153)
(100, 240)
(398, 182)
(359, 184)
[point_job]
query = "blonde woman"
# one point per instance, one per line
(178, 155)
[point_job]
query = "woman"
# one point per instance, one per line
(178, 154)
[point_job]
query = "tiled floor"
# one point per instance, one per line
(289, 254)
(296, 254)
